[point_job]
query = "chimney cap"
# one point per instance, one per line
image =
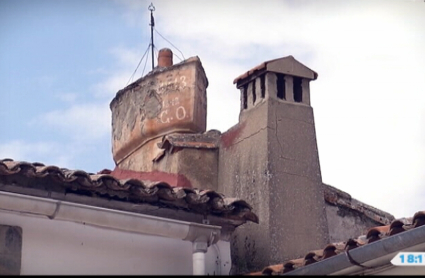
(285, 65)
(165, 58)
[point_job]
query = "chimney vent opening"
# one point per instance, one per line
(254, 95)
(280, 83)
(245, 96)
(298, 91)
(263, 86)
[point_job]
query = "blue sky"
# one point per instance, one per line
(62, 61)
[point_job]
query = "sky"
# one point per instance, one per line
(62, 62)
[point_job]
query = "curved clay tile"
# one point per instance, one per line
(110, 182)
(396, 227)
(82, 178)
(236, 202)
(179, 191)
(329, 251)
(292, 264)
(351, 244)
(195, 199)
(137, 188)
(376, 233)
(272, 269)
(217, 204)
(14, 167)
(419, 219)
(310, 258)
(132, 183)
(211, 193)
(69, 175)
(42, 171)
(167, 194)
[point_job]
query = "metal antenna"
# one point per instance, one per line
(152, 9)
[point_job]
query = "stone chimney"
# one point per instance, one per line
(171, 99)
(270, 159)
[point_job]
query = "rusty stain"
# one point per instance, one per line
(175, 180)
(228, 138)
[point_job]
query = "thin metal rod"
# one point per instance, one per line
(152, 8)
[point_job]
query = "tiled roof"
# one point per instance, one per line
(21, 174)
(262, 66)
(374, 234)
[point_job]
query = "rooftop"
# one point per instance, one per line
(380, 233)
(131, 194)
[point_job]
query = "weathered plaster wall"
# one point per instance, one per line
(244, 174)
(53, 247)
(10, 250)
(345, 223)
(270, 159)
(185, 167)
(167, 100)
(350, 218)
(200, 166)
(296, 185)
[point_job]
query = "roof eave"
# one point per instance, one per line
(369, 255)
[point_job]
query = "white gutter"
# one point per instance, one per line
(201, 235)
(375, 256)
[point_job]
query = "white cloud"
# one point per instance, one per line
(82, 122)
(126, 57)
(127, 60)
(112, 84)
(97, 71)
(48, 153)
(67, 97)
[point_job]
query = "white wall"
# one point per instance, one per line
(55, 247)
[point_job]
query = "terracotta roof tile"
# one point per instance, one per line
(291, 265)
(374, 234)
(28, 175)
(272, 268)
(351, 244)
(419, 219)
(396, 227)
